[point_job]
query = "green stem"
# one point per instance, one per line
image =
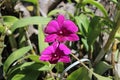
(38, 5)
(81, 62)
(29, 43)
(13, 42)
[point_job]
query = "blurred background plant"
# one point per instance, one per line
(94, 57)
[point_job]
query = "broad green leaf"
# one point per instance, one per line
(101, 67)
(94, 30)
(83, 74)
(36, 66)
(26, 74)
(99, 77)
(32, 1)
(115, 1)
(34, 58)
(79, 74)
(85, 43)
(83, 23)
(88, 11)
(41, 39)
(9, 20)
(60, 67)
(18, 77)
(28, 21)
(53, 12)
(98, 5)
(14, 56)
(77, 1)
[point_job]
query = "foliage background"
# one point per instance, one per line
(94, 57)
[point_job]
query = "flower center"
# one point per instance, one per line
(60, 32)
(55, 55)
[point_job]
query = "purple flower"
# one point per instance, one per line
(61, 30)
(56, 53)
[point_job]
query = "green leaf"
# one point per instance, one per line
(36, 66)
(55, 11)
(18, 77)
(83, 23)
(26, 74)
(9, 20)
(84, 74)
(32, 1)
(28, 21)
(115, 1)
(49, 79)
(94, 30)
(59, 67)
(78, 1)
(41, 39)
(14, 56)
(98, 5)
(99, 77)
(101, 67)
(34, 58)
(79, 74)
(85, 43)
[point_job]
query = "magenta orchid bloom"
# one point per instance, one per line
(56, 53)
(61, 30)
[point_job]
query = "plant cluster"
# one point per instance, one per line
(68, 42)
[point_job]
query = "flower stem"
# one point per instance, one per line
(29, 43)
(81, 62)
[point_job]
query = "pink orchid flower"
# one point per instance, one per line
(61, 30)
(56, 53)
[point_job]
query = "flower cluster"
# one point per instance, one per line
(57, 32)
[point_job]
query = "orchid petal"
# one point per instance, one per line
(50, 38)
(70, 26)
(72, 37)
(65, 49)
(60, 20)
(45, 57)
(48, 51)
(55, 45)
(61, 38)
(52, 27)
(65, 59)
